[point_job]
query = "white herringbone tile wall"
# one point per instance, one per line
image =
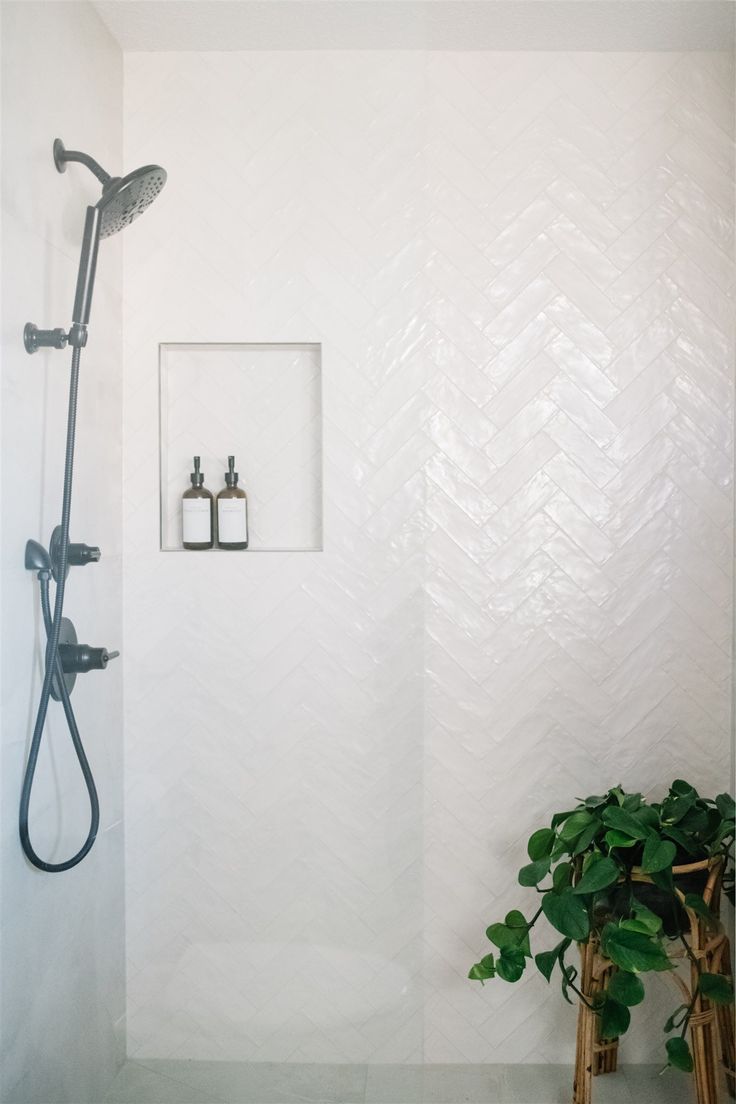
(519, 269)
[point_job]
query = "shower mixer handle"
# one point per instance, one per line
(78, 659)
(77, 554)
(81, 554)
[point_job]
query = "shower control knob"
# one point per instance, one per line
(78, 659)
(77, 554)
(81, 554)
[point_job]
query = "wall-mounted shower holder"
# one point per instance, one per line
(35, 339)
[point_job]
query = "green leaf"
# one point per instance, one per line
(695, 821)
(595, 800)
(533, 873)
(567, 913)
(517, 924)
(545, 960)
(622, 821)
(726, 806)
(545, 963)
(619, 839)
(626, 988)
(664, 879)
(615, 1018)
(643, 920)
(483, 970)
(716, 988)
(677, 1018)
(658, 855)
(562, 877)
(681, 839)
(675, 808)
(513, 934)
(632, 950)
(569, 974)
(601, 873)
(587, 836)
(510, 964)
(575, 824)
(699, 907)
(558, 818)
(649, 817)
(540, 844)
(678, 1053)
(501, 935)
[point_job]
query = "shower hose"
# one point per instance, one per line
(52, 625)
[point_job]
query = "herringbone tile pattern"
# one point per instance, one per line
(519, 267)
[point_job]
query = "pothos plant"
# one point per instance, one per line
(581, 867)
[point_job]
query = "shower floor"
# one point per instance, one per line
(181, 1082)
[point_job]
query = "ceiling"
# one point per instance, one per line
(420, 24)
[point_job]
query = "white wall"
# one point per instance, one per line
(62, 934)
(519, 267)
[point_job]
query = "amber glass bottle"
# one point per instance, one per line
(232, 512)
(197, 514)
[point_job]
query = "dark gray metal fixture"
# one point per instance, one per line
(123, 200)
(76, 659)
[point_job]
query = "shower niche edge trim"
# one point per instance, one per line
(262, 401)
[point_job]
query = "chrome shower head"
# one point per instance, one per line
(123, 200)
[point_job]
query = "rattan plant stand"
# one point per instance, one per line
(711, 1025)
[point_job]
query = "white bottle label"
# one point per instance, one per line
(232, 521)
(196, 521)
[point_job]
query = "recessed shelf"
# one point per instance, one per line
(262, 403)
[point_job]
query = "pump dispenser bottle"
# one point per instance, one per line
(197, 514)
(232, 512)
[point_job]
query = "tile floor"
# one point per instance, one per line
(180, 1082)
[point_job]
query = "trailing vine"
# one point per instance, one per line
(585, 867)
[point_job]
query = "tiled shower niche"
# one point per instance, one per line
(262, 403)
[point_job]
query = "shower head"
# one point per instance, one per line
(123, 200)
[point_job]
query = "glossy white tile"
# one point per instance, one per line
(527, 395)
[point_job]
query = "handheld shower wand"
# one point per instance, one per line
(122, 200)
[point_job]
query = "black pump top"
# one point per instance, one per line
(231, 476)
(196, 477)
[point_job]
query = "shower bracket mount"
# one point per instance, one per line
(35, 339)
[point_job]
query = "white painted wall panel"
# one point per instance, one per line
(63, 970)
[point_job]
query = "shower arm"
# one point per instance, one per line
(63, 156)
(35, 339)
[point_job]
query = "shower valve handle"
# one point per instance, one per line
(81, 554)
(78, 659)
(77, 554)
